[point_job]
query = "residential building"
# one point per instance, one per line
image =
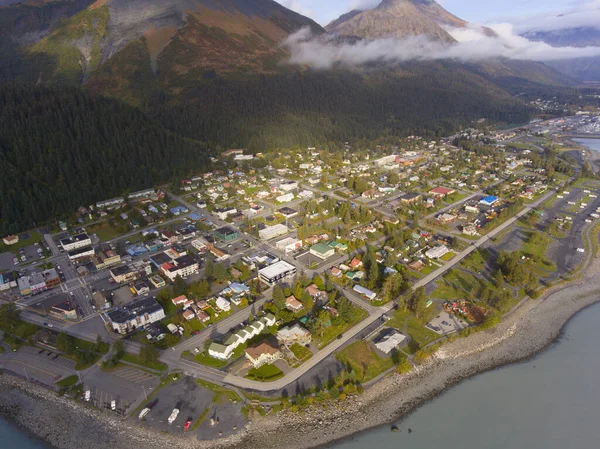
(75, 242)
(141, 288)
(24, 286)
(363, 291)
(291, 303)
(136, 315)
(203, 316)
(437, 252)
(188, 315)
(263, 353)
(288, 186)
(441, 192)
(289, 244)
(277, 273)
(270, 232)
(220, 351)
(410, 198)
(110, 203)
(389, 341)
(316, 294)
(322, 251)
(225, 212)
(10, 240)
(285, 198)
(226, 234)
(295, 334)
(223, 304)
(470, 230)
(37, 283)
(183, 267)
(288, 212)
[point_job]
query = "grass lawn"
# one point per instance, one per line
(266, 373)
(456, 284)
(104, 231)
(448, 256)
(414, 329)
(366, 364)
(333, 331)
(204, 359)
(221, 394)
(302, 353)
(68, 382)
(34, 236)
(157, 365)
(476, 260)
(537, 252)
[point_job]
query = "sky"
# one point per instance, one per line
(477, 11)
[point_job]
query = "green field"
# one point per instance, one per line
(266, 373)
(418, 333)
(34, 237)
(136, 360)
(364, 363)
(68, 382)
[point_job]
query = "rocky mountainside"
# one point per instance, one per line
(397, 18)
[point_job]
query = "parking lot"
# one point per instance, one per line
(44, 366)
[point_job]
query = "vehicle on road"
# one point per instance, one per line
(143, 413)
(48, 325)
(88, 395)
(581, 250)
(173, 416)
(113, 405)
(187, 425)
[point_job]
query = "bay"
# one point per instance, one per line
(549, 402)
(592, 144)
(11, 437)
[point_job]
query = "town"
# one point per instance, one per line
(280, 278)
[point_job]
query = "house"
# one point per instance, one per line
(296, 334)
(288, 186)
(10, 240)
(270, 232)
(288, 212)
(410, 198)
(470, 230)
(356, 263)
(370, 295)
(336, 272)
(200, 244)
(446, 218)
(389, 341)
(315, 293)
(291, 303)
(223, 304)
(141, 288)
(322, 251)
(189, 315)
(437, 252)
(203, 316)
(285, 198)
(180, 300)
(277, 273)
(225, 212)
(263, 353)
(135, 315)
(178, 210)
(471, 210)
(220, 351)
(416, 265)
(441, 192)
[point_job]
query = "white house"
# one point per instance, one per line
(437, 252)
(223, 304)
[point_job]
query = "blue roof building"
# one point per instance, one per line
(489, 200)
(136, 250)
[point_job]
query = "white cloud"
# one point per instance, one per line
(363, 5)
(580, 14)
(472, 45)
(296, 5)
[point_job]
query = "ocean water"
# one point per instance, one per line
(592, 144)
(12, 437)
(549, 402)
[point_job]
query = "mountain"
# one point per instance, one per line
(397, 18)
(191, 35)
(584, 69)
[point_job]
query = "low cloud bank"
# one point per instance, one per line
(585, 14)
(473, 44)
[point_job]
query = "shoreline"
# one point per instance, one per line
(532, 328)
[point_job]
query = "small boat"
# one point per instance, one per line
(395, 428)
(187, 425)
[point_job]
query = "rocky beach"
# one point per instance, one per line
(528, 330)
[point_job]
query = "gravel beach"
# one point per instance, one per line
(528, 330)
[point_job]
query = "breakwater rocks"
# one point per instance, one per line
(532, 327)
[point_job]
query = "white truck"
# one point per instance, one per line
(173, 416)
